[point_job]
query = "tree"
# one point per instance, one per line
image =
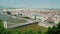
(54, 30)
(39, 31)
(1, 27)
(58, 25)
(8, 12)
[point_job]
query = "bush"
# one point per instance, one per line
(54, 30)
(27, 17)
(28, 32)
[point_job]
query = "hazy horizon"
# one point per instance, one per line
(31, 3)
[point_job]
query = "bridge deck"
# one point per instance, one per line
(22, 24)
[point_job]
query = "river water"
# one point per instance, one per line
(9, 18)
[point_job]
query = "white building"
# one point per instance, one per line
(5, 24)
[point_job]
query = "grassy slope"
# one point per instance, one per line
(33, 27)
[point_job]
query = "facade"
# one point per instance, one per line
(5, 24)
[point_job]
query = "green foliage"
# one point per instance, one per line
(27, 17)
(1, 24)
(39, 31)
(58, 25)
(8, 13)
(54, 30)
(15, 32)
(21, 14)
(28, 32)
(7, 31)
(31, 32)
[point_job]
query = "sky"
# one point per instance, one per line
(31, 3)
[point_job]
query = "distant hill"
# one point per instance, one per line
(1, 7)
(7, 7)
